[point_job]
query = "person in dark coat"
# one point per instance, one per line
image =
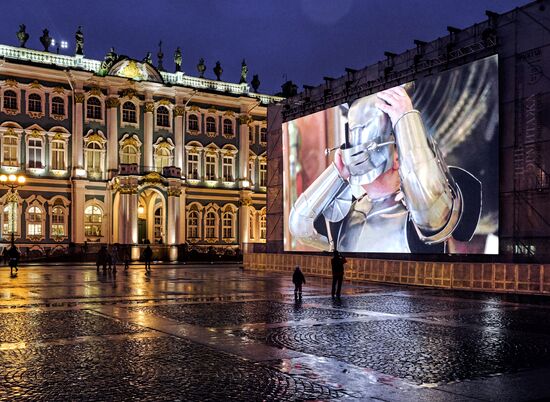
(14, 255)
(338, 261)
(298, 279)
(147, 257)
(102, 258)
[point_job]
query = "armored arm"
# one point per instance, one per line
(330, 195)
(432, 197)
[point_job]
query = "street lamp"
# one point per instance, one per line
(12, 181)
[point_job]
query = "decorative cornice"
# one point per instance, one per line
(11, 83)
(179, 111)
(35, 85)
(245, 119)
(112, 102)
(79, 98)
(149, 107)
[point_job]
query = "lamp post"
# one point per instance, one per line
(12, 181)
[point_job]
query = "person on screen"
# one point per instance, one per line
(412, 201)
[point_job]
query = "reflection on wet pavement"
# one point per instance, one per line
(221, 333)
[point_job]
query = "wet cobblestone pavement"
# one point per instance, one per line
(194, 333)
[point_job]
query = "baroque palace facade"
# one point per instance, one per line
(121, 152)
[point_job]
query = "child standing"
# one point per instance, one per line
(298, 279)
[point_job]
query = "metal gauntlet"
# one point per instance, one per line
(329, 195)
(432, 197)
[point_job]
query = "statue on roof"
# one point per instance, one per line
(46, 39)
(22, 35)
(244, 72)
(79, 38)
(160, 56)
(108, 62)
(255, 82)
(177, 59)
(201, 68)
(148, 58)
(218, 70)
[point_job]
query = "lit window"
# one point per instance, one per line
(193, 123)
(158, 226)
(251, 135)
(227, 167)
(251, 171)
(35, 103)
(227, 127)
(58, 155)
(251, 223)
(93, 108)
(58, 106)
(227, 225)
(128, 154)
(210, 125)
(94, 156)
(210, 167)
(10, 100)
(10, 145)
(210, 225)
(9, 219)
(163, 117)
(193, 166)
(263, 230)
(58, 222)
(129, 113)
(263, 135)
(193, 225)
(263, 173)
(34, 222)
(93, 217)
(163, 158)
(35, 153)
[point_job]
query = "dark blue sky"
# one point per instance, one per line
(300, 40)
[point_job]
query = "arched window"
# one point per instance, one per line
(94, 156)
(158, 226)
(263, 229)
(35, 153)
(58, 106)
(227, 127)
(35, 103)
(9, 219)
(128, 154)
(210, 226)
(58, 155)
(93, 218)
(210, 125)
(10, 145)
(10, 100)
(58, 221)
(34, 221)
(93, 108)
(163, 116)
(163, 156)
(227, 225)
(129, 112)
(193, 225)
(193, 123)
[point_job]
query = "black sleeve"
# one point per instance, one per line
(471, 190)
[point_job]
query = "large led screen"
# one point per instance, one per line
(411, 169)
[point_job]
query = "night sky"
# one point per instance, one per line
(299, 40)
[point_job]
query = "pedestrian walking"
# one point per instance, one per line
(5, 256)
(126, 259)
(298, 279)
(14, 255)
(102, 257)
(338, 261)
(147, 257)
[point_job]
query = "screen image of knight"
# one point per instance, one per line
(410, 169)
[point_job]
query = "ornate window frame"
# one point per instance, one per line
(193, 111)
(262, 161)
(130, 140)
(252, 157)
(229, 120)
(193, 208)
(98, 203)
(229, 212)
(95, 138)
(211, 210)
(263, 135)
(193, 148)
(35, 201)
(95, 93)
(11, 129)
(59, 92)
(230, 152)
(18, 218)
(170, 108)
(35, 132)
(262, 225)
(160, 145)
(11, 85)
(59, 202)
(252, 219)
(211, 114)
(59, 135)
(211, 150)
(135, 102)
(34, 88)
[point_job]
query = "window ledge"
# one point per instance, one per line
(59, 172)
(58, 116)
(36, 115)
(12, 112)
(36, 171)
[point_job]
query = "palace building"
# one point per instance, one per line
(122, 152)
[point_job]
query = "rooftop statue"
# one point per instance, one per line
(201, 68)
(22, 35)
(218, 70)
(177, 59)
(244, 72)
(45, 39)
(79, 38)
(108, 62)
(255, 82)
(148, 58)
(160, 56)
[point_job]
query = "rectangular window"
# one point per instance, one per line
(210, 165)
(263, 174)
(227, 168)
(34, 229)
(58, 155)
(10, 151)
(193, 166)
(35, 153)
(251, 177)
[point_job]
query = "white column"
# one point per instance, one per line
(173, 212)
(78, 155)
(77, 211)
(179, 135)
(244, 148)
(148, 135)
(244, 211)
(132, 222)
(122, 218)
(181, 233)
(112, 135)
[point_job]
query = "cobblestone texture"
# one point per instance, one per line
(415, 351)
(230, 314)
(44, 325)
(396, 304)
(149, 369)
